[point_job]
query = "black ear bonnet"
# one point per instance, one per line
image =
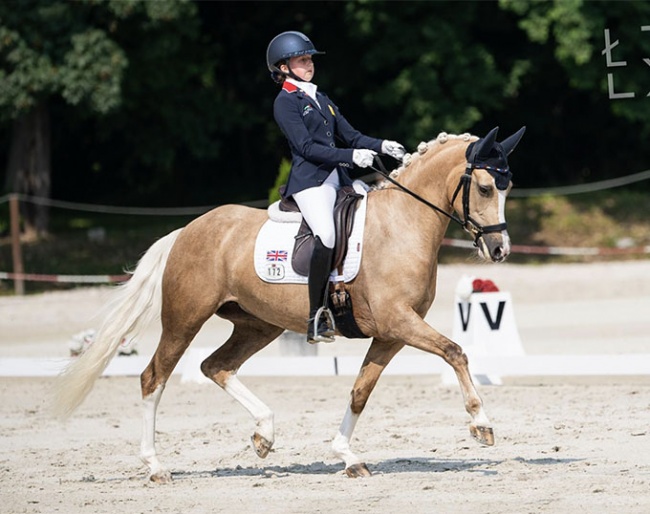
(492, 156)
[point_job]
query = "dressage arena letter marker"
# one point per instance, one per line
(484, 326)
(464, 317)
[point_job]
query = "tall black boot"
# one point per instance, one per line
(321, 329)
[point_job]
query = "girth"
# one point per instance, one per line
(344, 213)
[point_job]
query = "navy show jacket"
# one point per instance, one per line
(312, 133)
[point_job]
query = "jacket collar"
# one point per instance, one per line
(309, 88)
(289, 87)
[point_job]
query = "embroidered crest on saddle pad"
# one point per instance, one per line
(276, 240)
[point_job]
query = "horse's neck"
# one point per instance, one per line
(432, 177)
(435, 177)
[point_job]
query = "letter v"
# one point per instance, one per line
(464, 321)
(494, 325)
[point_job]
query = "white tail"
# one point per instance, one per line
(134, 305)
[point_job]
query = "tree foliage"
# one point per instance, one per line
(49, 49)
(169, 102)
(575, 30)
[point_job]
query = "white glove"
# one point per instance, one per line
(393, 148)
(363, 158)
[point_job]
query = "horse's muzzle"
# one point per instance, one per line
(495, 246)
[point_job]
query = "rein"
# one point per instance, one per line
(468, 223)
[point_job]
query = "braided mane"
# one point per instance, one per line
(423, 148)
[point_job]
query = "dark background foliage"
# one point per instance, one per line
(191, 122)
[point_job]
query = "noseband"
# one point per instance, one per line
(470, 225)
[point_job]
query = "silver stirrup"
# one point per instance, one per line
(323, 311)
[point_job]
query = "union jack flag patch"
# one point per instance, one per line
(276, 255)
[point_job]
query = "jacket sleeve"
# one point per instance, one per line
(288, 117)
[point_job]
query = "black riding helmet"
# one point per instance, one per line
(284, 46)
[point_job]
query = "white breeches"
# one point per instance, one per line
(317, 207)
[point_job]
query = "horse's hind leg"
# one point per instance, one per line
(377, 358)
(180, 324)
(249, 336)
(152, 382)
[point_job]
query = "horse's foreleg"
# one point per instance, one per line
(426, 338)
(480, 428)
(377, 358)
(354, 467)
(249, 336)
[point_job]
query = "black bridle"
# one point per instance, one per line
(468, 223)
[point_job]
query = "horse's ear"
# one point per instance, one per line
(486, 144)
(509, 143)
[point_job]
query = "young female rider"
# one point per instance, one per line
(314, 125)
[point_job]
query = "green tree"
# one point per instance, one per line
(576, 31)
(183, 111)
(593, 132)
(70, 51)
(429, 66)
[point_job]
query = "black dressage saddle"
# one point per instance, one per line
(345, 209)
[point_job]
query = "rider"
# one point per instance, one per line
(314, 125)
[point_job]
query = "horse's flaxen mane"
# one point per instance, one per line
(423, 148)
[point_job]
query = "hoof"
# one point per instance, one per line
(358, 471)
(262, 446)
(162, 477)
(484, 435)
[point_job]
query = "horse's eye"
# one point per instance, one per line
(485, 190)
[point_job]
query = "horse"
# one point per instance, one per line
(206, 268)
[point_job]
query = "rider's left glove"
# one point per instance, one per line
(393, 148)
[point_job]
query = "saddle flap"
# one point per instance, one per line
(344, 213)
(302, 250)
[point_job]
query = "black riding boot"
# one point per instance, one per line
(319, 270)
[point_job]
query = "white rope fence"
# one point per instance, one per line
(195, 211)
(582, 188)
(113, 209)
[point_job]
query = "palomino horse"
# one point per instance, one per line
(207, 268)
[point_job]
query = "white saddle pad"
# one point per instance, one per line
(276, 239)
